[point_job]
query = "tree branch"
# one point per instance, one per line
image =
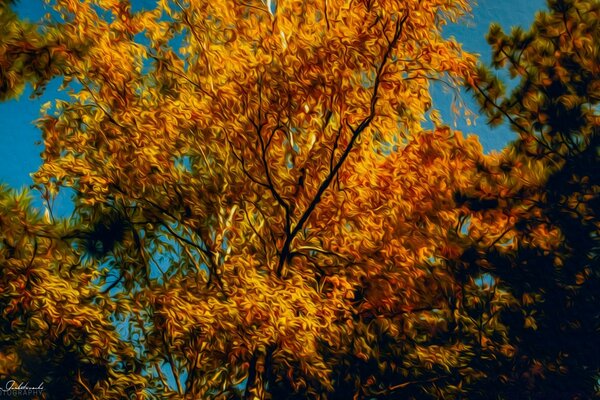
(285, 251)
(208, 255)
(171, 362)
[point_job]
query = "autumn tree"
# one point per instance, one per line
(265, 216)
(260, 214)
(255, 189)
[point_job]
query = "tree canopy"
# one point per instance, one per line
(268, 206)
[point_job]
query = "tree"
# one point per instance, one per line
(255, 183)
(536, 240)
(260, 212)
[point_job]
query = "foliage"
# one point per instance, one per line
(56, 325)
(24, 55)
(545, 250)
(261, 214)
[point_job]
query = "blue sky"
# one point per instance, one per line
(20, 155)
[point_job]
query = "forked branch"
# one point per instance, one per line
(285, 251)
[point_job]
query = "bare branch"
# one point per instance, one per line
(84, 386)
(171, 362)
